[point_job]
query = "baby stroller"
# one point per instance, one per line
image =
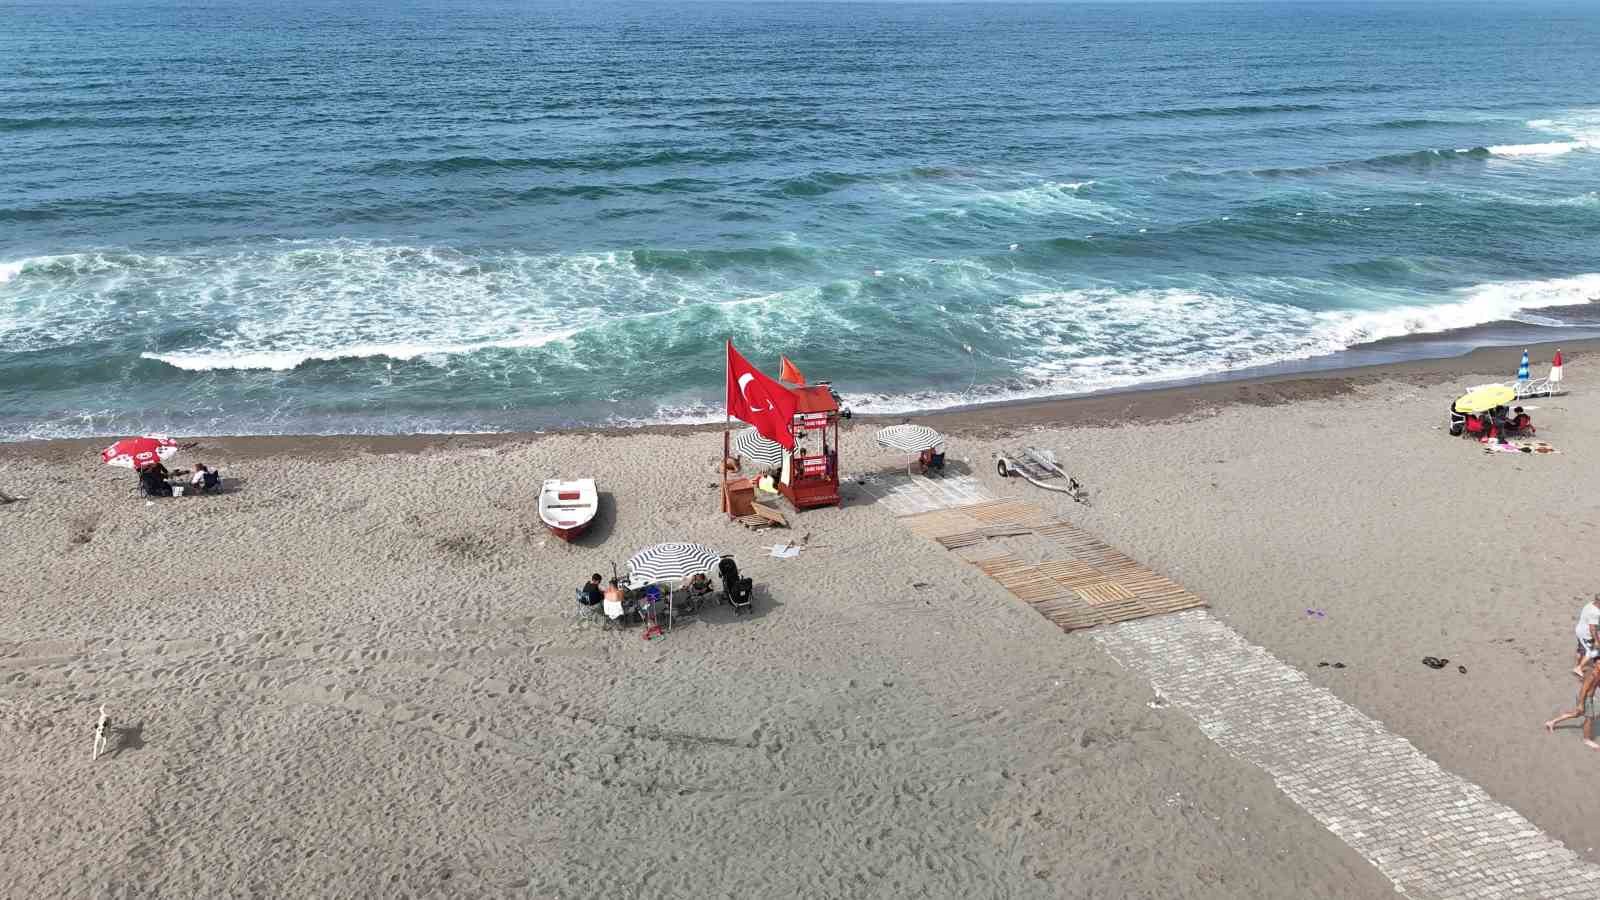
(737, 591)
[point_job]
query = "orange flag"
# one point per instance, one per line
(787, 372)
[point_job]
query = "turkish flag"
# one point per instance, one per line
(787, 372)
(757, 399)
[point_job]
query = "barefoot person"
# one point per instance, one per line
(1588, 630)
(1586, 707)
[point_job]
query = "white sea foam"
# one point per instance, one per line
(285, 360)
(1003, 194)
(10, 270)
(1580, 124)
(1080, 341)
(1477, 305)
(279, 306)
(1047, 197)
(1580, 128)
(1552, 148)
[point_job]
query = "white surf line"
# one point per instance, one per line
(1429, 831)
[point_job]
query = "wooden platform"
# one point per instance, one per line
(1087, 583)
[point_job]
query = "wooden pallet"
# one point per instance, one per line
(1103, 593)
(1052, 599)
(1008, 512)
(1072, 572)
(964, 539)
(940, 522)
(1096, 585)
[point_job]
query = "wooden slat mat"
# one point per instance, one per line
(1104, 593)
(1029, 583)
(1107, 585)
(1009, 512)
(1097, 585)
(982, 535)
(1072, 572)
(940, 522)
(964, 539)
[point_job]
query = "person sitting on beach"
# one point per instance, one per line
(204, 480)
(1588, 630)
(1586, 707)
(615, 603)
(153, 481)
(590, 593)
(1519, 421)
(699, 585)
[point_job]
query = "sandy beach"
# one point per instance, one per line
(357, 670)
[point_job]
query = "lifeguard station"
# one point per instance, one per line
(810, 474)
(795, 441)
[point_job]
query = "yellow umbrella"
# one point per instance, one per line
(1485, 398)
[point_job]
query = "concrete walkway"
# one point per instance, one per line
(1431, 832)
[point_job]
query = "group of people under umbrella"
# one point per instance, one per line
(1486, 413)
(147, 456)
(648, 593)
(672, 578)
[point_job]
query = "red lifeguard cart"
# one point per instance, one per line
(811, 471)
(808, 470)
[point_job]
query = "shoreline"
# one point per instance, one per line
(1155, 402)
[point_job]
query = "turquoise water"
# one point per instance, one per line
(349, 217)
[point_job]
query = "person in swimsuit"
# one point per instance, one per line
(1588, 706)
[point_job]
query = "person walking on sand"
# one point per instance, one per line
(1588, 631)
(1586, 707)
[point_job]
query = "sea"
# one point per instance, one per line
(352, 216)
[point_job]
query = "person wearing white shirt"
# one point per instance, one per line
(1588, 631)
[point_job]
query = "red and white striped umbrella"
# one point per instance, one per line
(136, 453)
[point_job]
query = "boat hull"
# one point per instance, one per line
(568, 508)
(568, 534)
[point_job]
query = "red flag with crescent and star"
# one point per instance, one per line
(757, 399)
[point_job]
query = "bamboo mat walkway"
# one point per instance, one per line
(1094, 585)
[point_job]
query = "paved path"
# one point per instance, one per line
(1431, 832)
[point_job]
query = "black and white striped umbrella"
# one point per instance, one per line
(750, 445)
(909, 438)
(670, 562)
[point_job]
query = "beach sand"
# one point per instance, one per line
(357, 670)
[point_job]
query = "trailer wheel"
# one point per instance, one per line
(1000, 467)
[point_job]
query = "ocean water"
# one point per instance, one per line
(238, 217)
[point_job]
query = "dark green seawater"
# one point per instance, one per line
(360, 216)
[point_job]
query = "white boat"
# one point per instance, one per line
(568, 507)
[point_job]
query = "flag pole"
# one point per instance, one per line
(727, 422)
